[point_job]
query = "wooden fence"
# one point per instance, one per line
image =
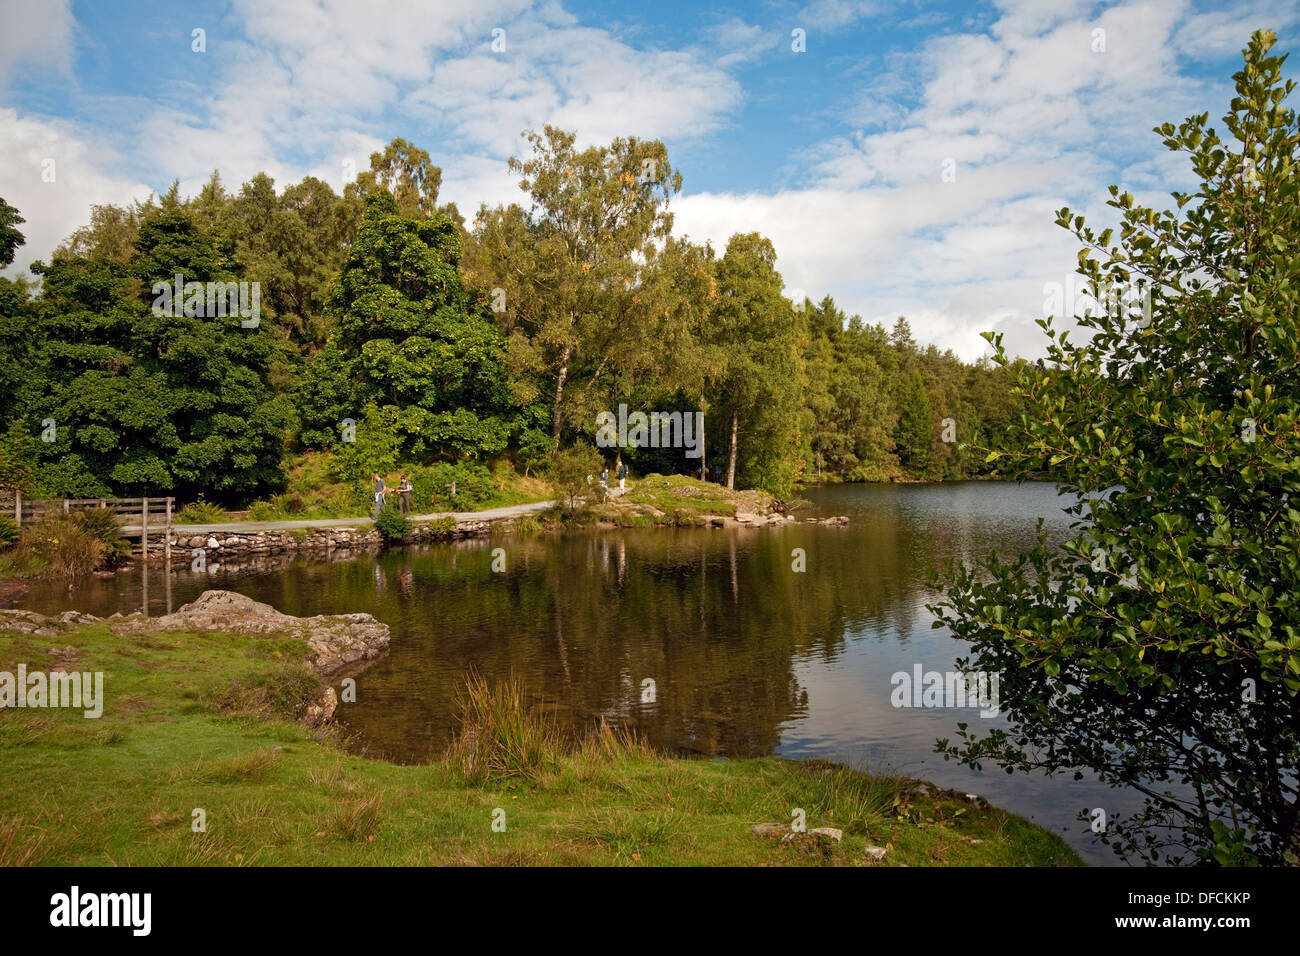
(138, 516)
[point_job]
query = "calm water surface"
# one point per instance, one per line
(746, 656)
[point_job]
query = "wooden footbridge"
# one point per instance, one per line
(142, 518)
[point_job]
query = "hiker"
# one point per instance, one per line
(604, 477)
(380, 488)
(622, 476)
(404, 495)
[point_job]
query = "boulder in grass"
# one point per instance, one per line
(336, 640)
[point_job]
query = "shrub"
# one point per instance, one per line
(440, 527)
(201, 512)
(8, 533)
(571, 468)
(1159, 648)
(392, 524)
(103, 524)
(474, 485)
(262, 511)
(60, 545)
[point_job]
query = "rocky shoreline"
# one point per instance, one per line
(338, 643)
(327, 543)
(314, 541)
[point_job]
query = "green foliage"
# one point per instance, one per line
(392, 524)
(758, 332)
(580, 308)
(104, 526)
(565, 309)
(8, 532)
(18, 449)
(201, 512)
(413, 342)
(440, 527)
(146, 402)
(1160, 648)
(475, 487)
(265, 511)
(915, 424)
(292, 243)
(408, 174)
(10, 237)
(570, 470)
(374, 450)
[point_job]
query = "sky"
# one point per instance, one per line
(905, 157)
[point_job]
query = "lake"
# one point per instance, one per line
(705, 641)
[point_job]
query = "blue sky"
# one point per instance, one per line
(837, 153)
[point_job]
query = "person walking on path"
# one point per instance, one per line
(380, 488)
(404, 495)
(622, 476)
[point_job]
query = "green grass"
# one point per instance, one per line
(663, 501)
(312, 491)
(673, 493)
(205, 721)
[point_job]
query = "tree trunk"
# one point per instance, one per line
(731, 464)
(559, 391)
(704, 457)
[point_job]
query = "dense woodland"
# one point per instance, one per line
(492, 341)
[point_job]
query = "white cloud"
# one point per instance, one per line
(36, 150)
(1225, 33)
(1034, 120)
(35, 32)
(833, 14)
(735, 41)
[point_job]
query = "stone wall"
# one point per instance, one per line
(224, 546)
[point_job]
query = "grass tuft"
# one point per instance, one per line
(16, 847)
(501, 736)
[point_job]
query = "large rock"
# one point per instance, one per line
(336, 640)
(321, 711)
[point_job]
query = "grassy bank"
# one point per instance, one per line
(664, 501)
(206, 721)
(314, 489)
